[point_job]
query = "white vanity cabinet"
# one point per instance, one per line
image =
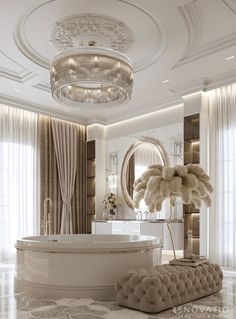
(151, 228)
(116, 227)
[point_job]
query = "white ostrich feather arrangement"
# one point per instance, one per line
(189, 182)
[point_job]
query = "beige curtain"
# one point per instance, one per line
(49, 180)
(65, 144)
(78, 203)
(50, 183)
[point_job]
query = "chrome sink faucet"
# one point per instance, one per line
(141, 216)
(146, 214)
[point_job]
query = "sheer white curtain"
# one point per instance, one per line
(222, 164)
(18, 170)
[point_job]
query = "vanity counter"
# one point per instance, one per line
(159, 221)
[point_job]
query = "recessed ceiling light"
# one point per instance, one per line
(17, 90)
(165, 81)
(229, 58)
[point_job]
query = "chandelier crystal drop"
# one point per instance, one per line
(91, 77)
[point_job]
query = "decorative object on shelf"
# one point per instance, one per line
(157, 183)
(111, 202)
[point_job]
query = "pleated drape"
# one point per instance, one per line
(49, 179)
(65, 144)
(222, 164)
(50, 176)
(18, 178)
(78, 203)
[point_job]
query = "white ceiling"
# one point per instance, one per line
(185, 42)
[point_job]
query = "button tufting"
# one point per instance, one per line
(168, 285)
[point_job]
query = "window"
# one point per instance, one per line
(18, 191)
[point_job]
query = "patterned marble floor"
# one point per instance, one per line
(22, 306)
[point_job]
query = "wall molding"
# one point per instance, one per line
(43, 87)
(193, 19)
(231, 4)
(20, 77)
(221, 80)
(190, 87)
(205, 84)
(194, 22)
(210, 48)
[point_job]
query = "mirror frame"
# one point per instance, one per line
(147, 140)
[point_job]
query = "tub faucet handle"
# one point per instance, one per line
(47, 216)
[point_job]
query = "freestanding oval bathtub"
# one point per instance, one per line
(80, 265)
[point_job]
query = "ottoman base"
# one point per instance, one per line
(156, 289)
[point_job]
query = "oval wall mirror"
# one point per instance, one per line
(142, 153)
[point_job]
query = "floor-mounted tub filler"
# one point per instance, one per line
(80, 265)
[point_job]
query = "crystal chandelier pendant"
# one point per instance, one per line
(91, 77)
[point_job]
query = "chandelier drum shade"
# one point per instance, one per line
(91, 77)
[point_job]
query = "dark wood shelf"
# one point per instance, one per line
(191, 156)
(91, 176)
(91, 150)
(191, 213)
(192, 139)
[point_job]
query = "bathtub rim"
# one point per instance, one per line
(94, 286)
(138, 243)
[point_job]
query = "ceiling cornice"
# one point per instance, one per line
(151, 107)
(36, 108)
(203, 84)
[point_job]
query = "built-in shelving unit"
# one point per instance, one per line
(91, 174)
(191, 155)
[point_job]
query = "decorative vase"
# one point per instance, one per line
(112, 211)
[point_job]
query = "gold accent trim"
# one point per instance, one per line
(93, 252)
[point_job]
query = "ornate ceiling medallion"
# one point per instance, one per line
(78, 30)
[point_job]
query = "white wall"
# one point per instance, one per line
(143, 123)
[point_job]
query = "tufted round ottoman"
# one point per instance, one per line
(162, 287)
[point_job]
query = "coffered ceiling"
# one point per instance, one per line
(177, 47)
